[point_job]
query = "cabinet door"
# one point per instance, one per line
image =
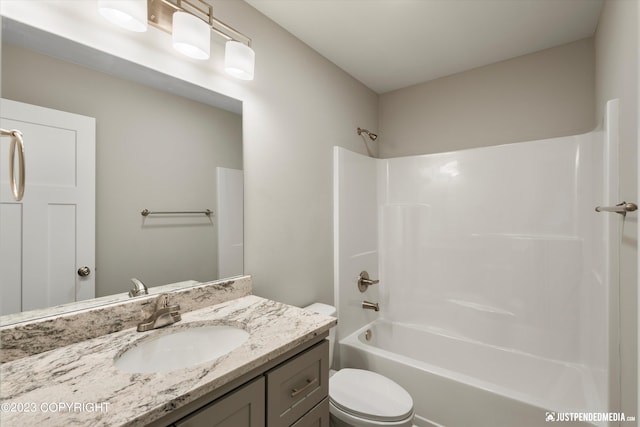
(241, 408)
(317, 417)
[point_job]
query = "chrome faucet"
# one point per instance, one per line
(139, 288)
(370, 305)
(163, 315)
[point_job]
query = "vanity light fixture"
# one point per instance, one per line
(191, 35)
(130, 15)
(190, 23)
(239, 60)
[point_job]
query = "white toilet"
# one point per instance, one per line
(362, 398)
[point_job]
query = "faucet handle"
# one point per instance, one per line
(364, 282)
(163, 314)
(162, 301)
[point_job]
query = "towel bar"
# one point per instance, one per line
(147, 212)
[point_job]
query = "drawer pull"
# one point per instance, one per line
(297, 391)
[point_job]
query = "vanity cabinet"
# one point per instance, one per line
(241, 408)
(317, 417)
(297, 386)
(291, 391)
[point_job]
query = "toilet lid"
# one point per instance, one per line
(369, 395)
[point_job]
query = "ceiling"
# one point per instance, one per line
(391, 44)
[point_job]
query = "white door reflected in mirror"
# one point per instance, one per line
(50, 233)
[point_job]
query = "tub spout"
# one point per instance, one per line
(370, 305)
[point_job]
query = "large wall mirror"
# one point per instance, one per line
(161, 144)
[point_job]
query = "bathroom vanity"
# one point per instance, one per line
(293, 393)
(277, 377)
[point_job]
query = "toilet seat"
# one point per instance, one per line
(368, 395)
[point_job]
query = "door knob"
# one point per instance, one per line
(84, 271)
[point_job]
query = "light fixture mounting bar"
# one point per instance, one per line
(160, 15)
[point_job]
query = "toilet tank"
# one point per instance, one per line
(327, 310)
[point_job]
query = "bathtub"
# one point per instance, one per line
(459, 383)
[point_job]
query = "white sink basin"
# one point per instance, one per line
(183, 348)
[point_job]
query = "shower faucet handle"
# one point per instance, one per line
(364, 282)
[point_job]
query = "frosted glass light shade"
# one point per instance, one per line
(239, 60)
(128, 14)
(191, 35)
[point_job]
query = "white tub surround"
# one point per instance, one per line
(63, 325)
(84, 372)
(498, 249)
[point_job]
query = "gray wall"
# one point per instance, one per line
(298, 107)
(617, 47)
(154, 150)
(541, 95)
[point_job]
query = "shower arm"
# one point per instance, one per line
(372, 136)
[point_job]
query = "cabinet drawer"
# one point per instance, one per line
(297, 385)
(317, 417)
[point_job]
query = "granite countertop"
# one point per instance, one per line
(78, 385)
